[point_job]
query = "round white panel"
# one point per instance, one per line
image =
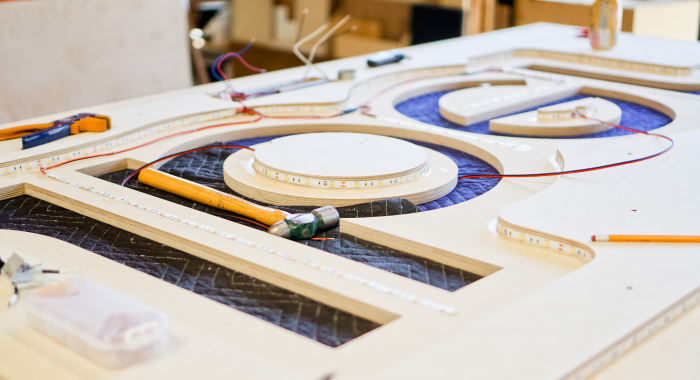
(344, 156)
(397, 169)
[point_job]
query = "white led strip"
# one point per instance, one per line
(298, 109)
(623, 346)
(162, 127)
(586, 60)
(546, 243)
(605, 62)
(350, 277)
(339, 183)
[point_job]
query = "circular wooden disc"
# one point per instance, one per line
(337, 155)
(240, 176)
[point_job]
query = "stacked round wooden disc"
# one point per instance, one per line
(339, 169)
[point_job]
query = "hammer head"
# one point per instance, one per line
(304, 226)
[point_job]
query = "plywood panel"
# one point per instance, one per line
(541, 312)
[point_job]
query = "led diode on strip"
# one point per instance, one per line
(545, 243)
(347, 276)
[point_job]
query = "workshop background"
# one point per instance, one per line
(103, 51)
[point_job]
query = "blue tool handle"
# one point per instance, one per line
(46, 136)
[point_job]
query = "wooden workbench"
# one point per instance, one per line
(614, 309)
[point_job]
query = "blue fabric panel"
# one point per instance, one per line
(466, 189)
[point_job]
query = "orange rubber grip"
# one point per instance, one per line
(17, 132)
(210, 197)
(97, 123)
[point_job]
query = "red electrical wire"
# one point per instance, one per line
(241, 59)
(586, 169)
(244, 62)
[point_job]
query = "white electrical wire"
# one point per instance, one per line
(320, 42)
(295, 49)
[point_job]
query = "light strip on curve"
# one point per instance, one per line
(339, 183)
(544, 242)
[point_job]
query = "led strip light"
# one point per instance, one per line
(605, 62)
(339, 183)
(148, 131)
(546, 243)
(634, 339)
(299, 109)
(586, 60)
(347, 276)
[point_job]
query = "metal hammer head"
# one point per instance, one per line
(304, 226)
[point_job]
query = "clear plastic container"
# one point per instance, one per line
(108, 327)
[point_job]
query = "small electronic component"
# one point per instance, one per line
(347, 74)
(18, 275)
(385, 58)
(8, 290)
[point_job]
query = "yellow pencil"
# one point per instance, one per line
(648, 238)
